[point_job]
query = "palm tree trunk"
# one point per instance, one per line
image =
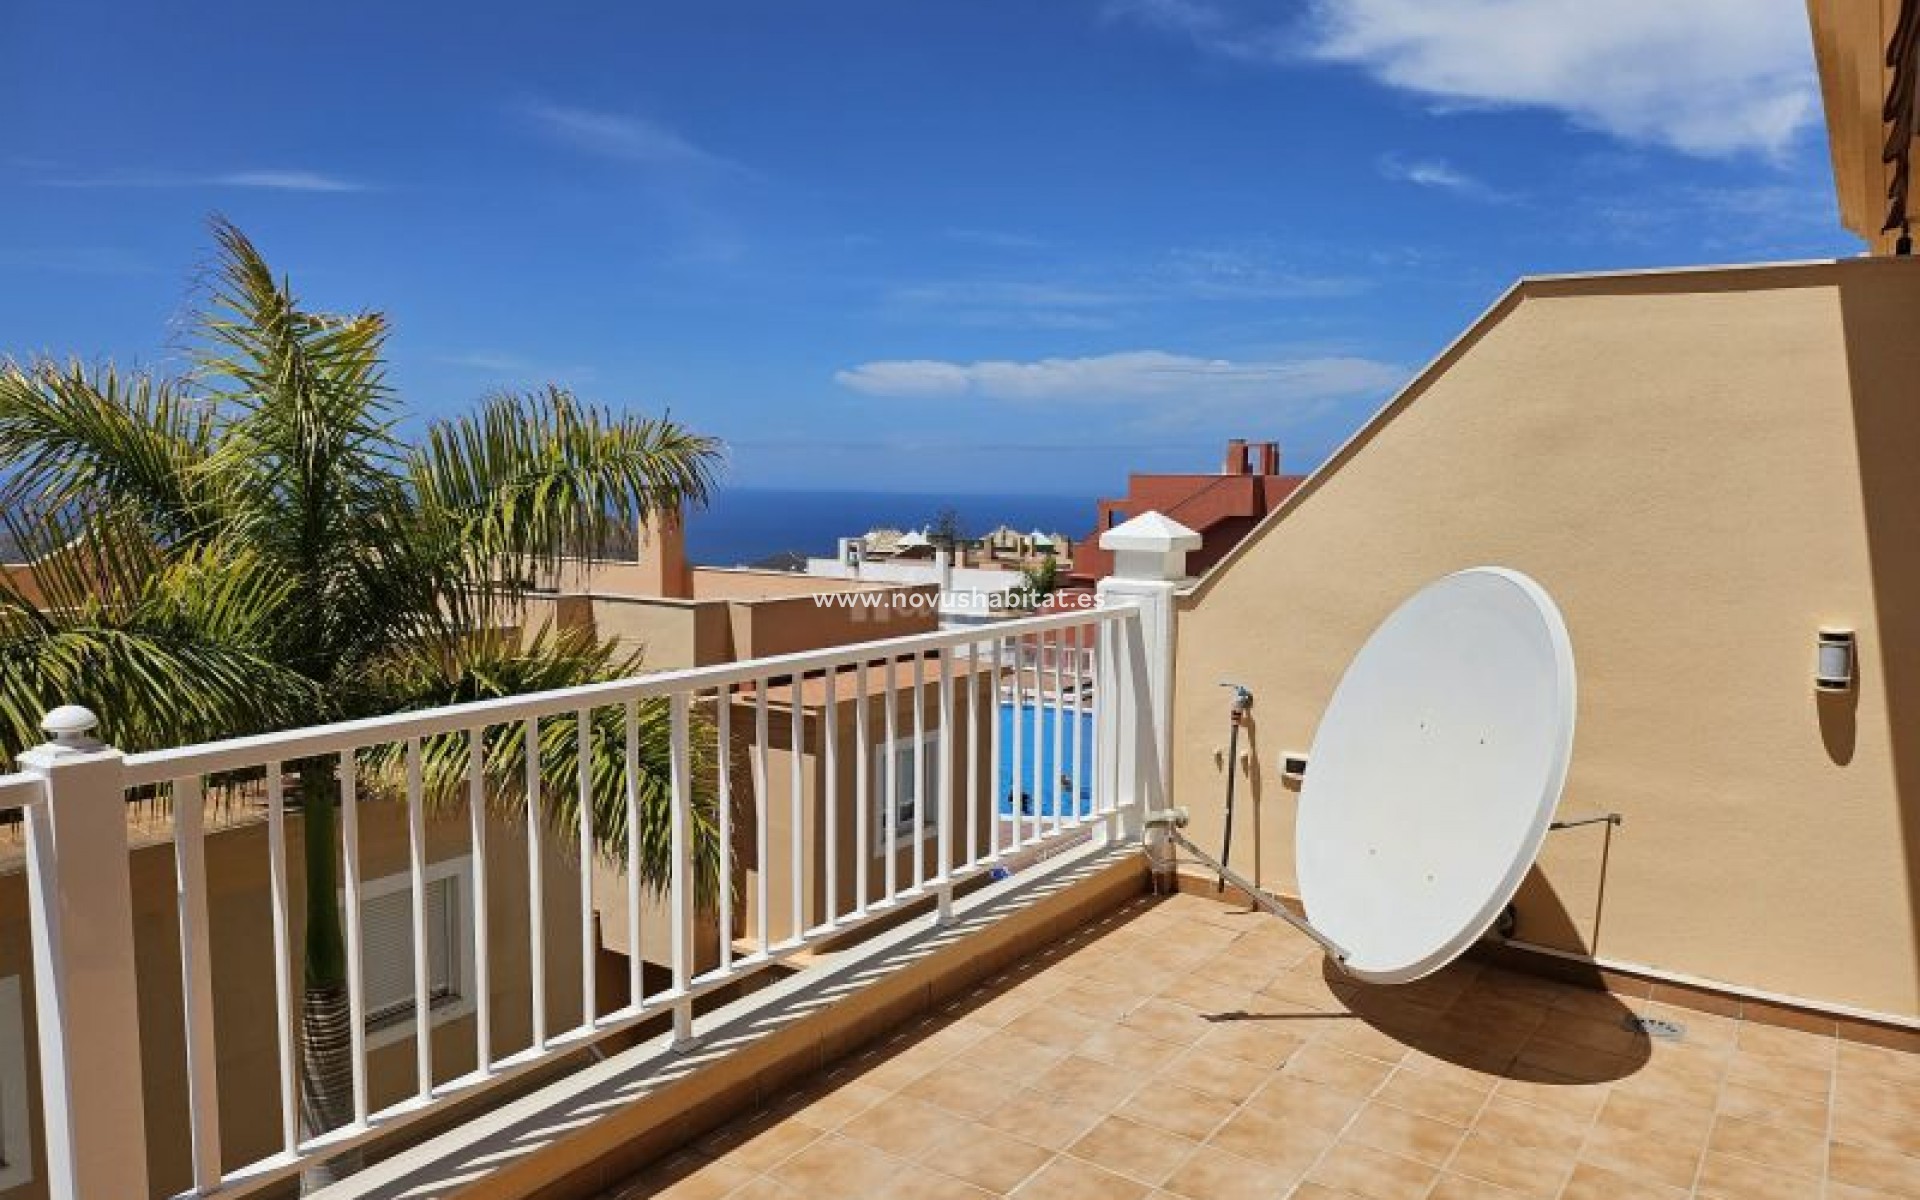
(326, 1018)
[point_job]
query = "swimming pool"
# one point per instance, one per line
(1041, 786)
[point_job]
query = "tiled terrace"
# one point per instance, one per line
(1184, 1048)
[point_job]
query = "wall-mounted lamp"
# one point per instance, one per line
(1833, 664)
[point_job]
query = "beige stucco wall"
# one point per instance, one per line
(240, 912)
(1703, 468)
(850, 840)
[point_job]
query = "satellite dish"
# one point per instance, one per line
(1435, 773)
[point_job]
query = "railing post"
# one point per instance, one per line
(1149, 567)
(86, 996)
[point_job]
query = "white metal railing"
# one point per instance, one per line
(989, 748)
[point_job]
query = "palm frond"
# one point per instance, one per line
(492, 665)
(166, 648)
(75, 438)
(531, 479)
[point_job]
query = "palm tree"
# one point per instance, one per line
(259, 545)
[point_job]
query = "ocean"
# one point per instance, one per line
(746, 525)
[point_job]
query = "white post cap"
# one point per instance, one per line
(71, 727)
(1150, 546)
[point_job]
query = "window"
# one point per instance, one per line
(16, 1148)
(386, 931)
(910, 821)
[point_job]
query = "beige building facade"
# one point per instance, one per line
(1705, 468)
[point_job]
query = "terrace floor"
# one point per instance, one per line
(1185, 1048)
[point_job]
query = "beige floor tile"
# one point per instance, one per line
(1101, 1001)
(1725, 1178)
(1647, 1156)
(1041, 1119)
(1181, 1110)
(835, 1168)
(759, 1145)
(1800, 1151)
(761, 1187)
(1135, 1150)
(1772, 1108)
(1657, 1118)
(1129, 1048)
(1864, 1092)
(1212, 1174)
(1009, 1054)
(1303, 1102)
(1058, 1027)
(1464, 1187)
(985, 1158)
(1598, 1183)
(1788, 1045)
(1217, 1075)
(1409, 1135)
(1877, 1129)
(903, 1127)
(1529, 1170)
(1567, 1096)
(689, 1176)
(1778, 1075)
(1081, 1080)
(1266, 1044)
(1433, 1096)
(1179, 1024)
(1337, 1069)
(1072, 1179)
(1361, 1170)
(1879, 1170)
(1521, 1123)
(1283, 1145)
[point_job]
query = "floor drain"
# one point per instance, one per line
(1654, 1027)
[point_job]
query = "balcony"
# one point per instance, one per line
(936, 968)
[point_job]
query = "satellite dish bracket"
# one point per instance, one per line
(1611, 818)
(1173, 820)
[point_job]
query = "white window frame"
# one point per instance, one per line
(923, 829)
(399, 1026)
(16, 1132)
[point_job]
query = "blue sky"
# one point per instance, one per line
(988, 246)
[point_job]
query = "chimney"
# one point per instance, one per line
(1236, 463)
(1269, 458)
(663, 557)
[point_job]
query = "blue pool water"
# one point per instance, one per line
(1038, 783)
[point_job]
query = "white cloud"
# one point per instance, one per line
(273, 179)
(1439, 174)
(1136, 378)
(627, 138)
(1707, 77)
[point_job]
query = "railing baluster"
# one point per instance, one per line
(943, 771)
(589, 942)
(890, 809)
(630, 776)
(356, 940)
(283, 1000)
(760, 782)
(830, 760)
(723, 800)
(536, 885)
(1017, 786)
(1057, 775)
(1039, 738)
(995, 744)
(422, 951)
(796, 809)
(922, 803)
(1079, 731)
(196, 980)
(973, 753)
(680, 880)
(477, 816)
(863, 767)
